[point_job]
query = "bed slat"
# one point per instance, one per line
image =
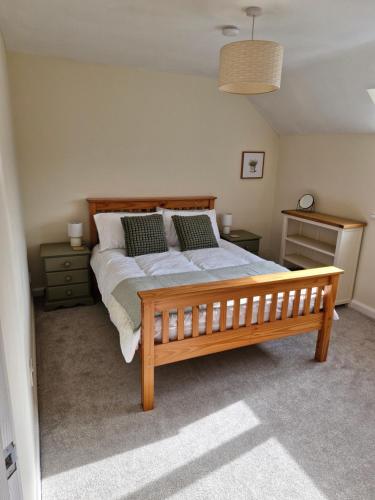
(195, 321)
(306, 309)
(236, 314)
(165, 327)
(284, 309)
(180, 323)
(261, 307)
(209, 312)
(318, 300)
(249, 311)
(273, 308)
(223, 315)
(296, 302)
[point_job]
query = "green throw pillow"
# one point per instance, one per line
(194, 232)
(144, 234)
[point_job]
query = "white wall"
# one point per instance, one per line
(15, 304)
(340, 171)
(94, 130)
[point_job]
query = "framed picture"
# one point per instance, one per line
(252, 164)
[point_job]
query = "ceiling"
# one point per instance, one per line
(329, 47)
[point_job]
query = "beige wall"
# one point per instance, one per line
(94, 130)
(15, 303)
(84, 130)
(340, 171)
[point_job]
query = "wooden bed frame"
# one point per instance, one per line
(166, 300)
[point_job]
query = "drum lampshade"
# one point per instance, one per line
(250, 67)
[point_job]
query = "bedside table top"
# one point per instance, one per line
(242, 236)
(61, 250)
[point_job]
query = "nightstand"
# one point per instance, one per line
(66, 275)
(243, 239)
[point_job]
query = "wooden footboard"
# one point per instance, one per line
(169, 300)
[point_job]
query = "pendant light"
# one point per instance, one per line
(250, 66)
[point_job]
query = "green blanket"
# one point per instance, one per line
(126, 291)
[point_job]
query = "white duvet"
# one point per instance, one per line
(112, 266)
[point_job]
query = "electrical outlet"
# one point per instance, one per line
(10, 459)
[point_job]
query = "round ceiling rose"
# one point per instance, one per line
(230, 31)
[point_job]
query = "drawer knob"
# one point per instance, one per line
(68, 278)
(67, 263)
(69, 292)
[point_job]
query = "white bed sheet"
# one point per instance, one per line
(112, 266)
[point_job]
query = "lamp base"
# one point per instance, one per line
(76, 243)
(226, 229)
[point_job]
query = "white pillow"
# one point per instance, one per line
(110, 230)
(170, 230)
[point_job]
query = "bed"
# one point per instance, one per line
(186, 321)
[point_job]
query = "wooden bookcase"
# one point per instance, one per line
(312, 239)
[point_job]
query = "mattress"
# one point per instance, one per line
(113, 266)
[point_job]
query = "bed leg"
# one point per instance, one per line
(322, 344)
(324, 333)
(147, 387)
(147, 357)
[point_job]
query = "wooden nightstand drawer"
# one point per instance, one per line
(69, 262)
(67, 277)
(244, 239)
(250, 246)
(68, 292)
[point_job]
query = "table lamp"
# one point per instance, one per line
(227, 220)
(75, 231)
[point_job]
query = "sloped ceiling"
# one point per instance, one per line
(329, 47)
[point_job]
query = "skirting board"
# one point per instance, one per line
(362, 308)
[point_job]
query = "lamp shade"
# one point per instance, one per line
(250, 67)
(227, 219)
(75, 229)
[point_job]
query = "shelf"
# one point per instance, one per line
(302, 261)
(329, 220)
(314, 240)
(319, 246)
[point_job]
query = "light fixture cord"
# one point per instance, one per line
(252, 29)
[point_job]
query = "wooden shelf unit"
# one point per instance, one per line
(319, 246)
(313, 239)
(303, 262)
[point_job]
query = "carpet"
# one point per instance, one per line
(262, 422)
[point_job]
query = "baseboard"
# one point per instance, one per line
(362, 308)
(38, 292)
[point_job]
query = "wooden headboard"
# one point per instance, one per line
(100, 205)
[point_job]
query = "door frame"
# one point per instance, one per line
(10, 489)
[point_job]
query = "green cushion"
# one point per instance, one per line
(194, 232)
(144, 234)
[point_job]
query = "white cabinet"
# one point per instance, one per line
(312, 239)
